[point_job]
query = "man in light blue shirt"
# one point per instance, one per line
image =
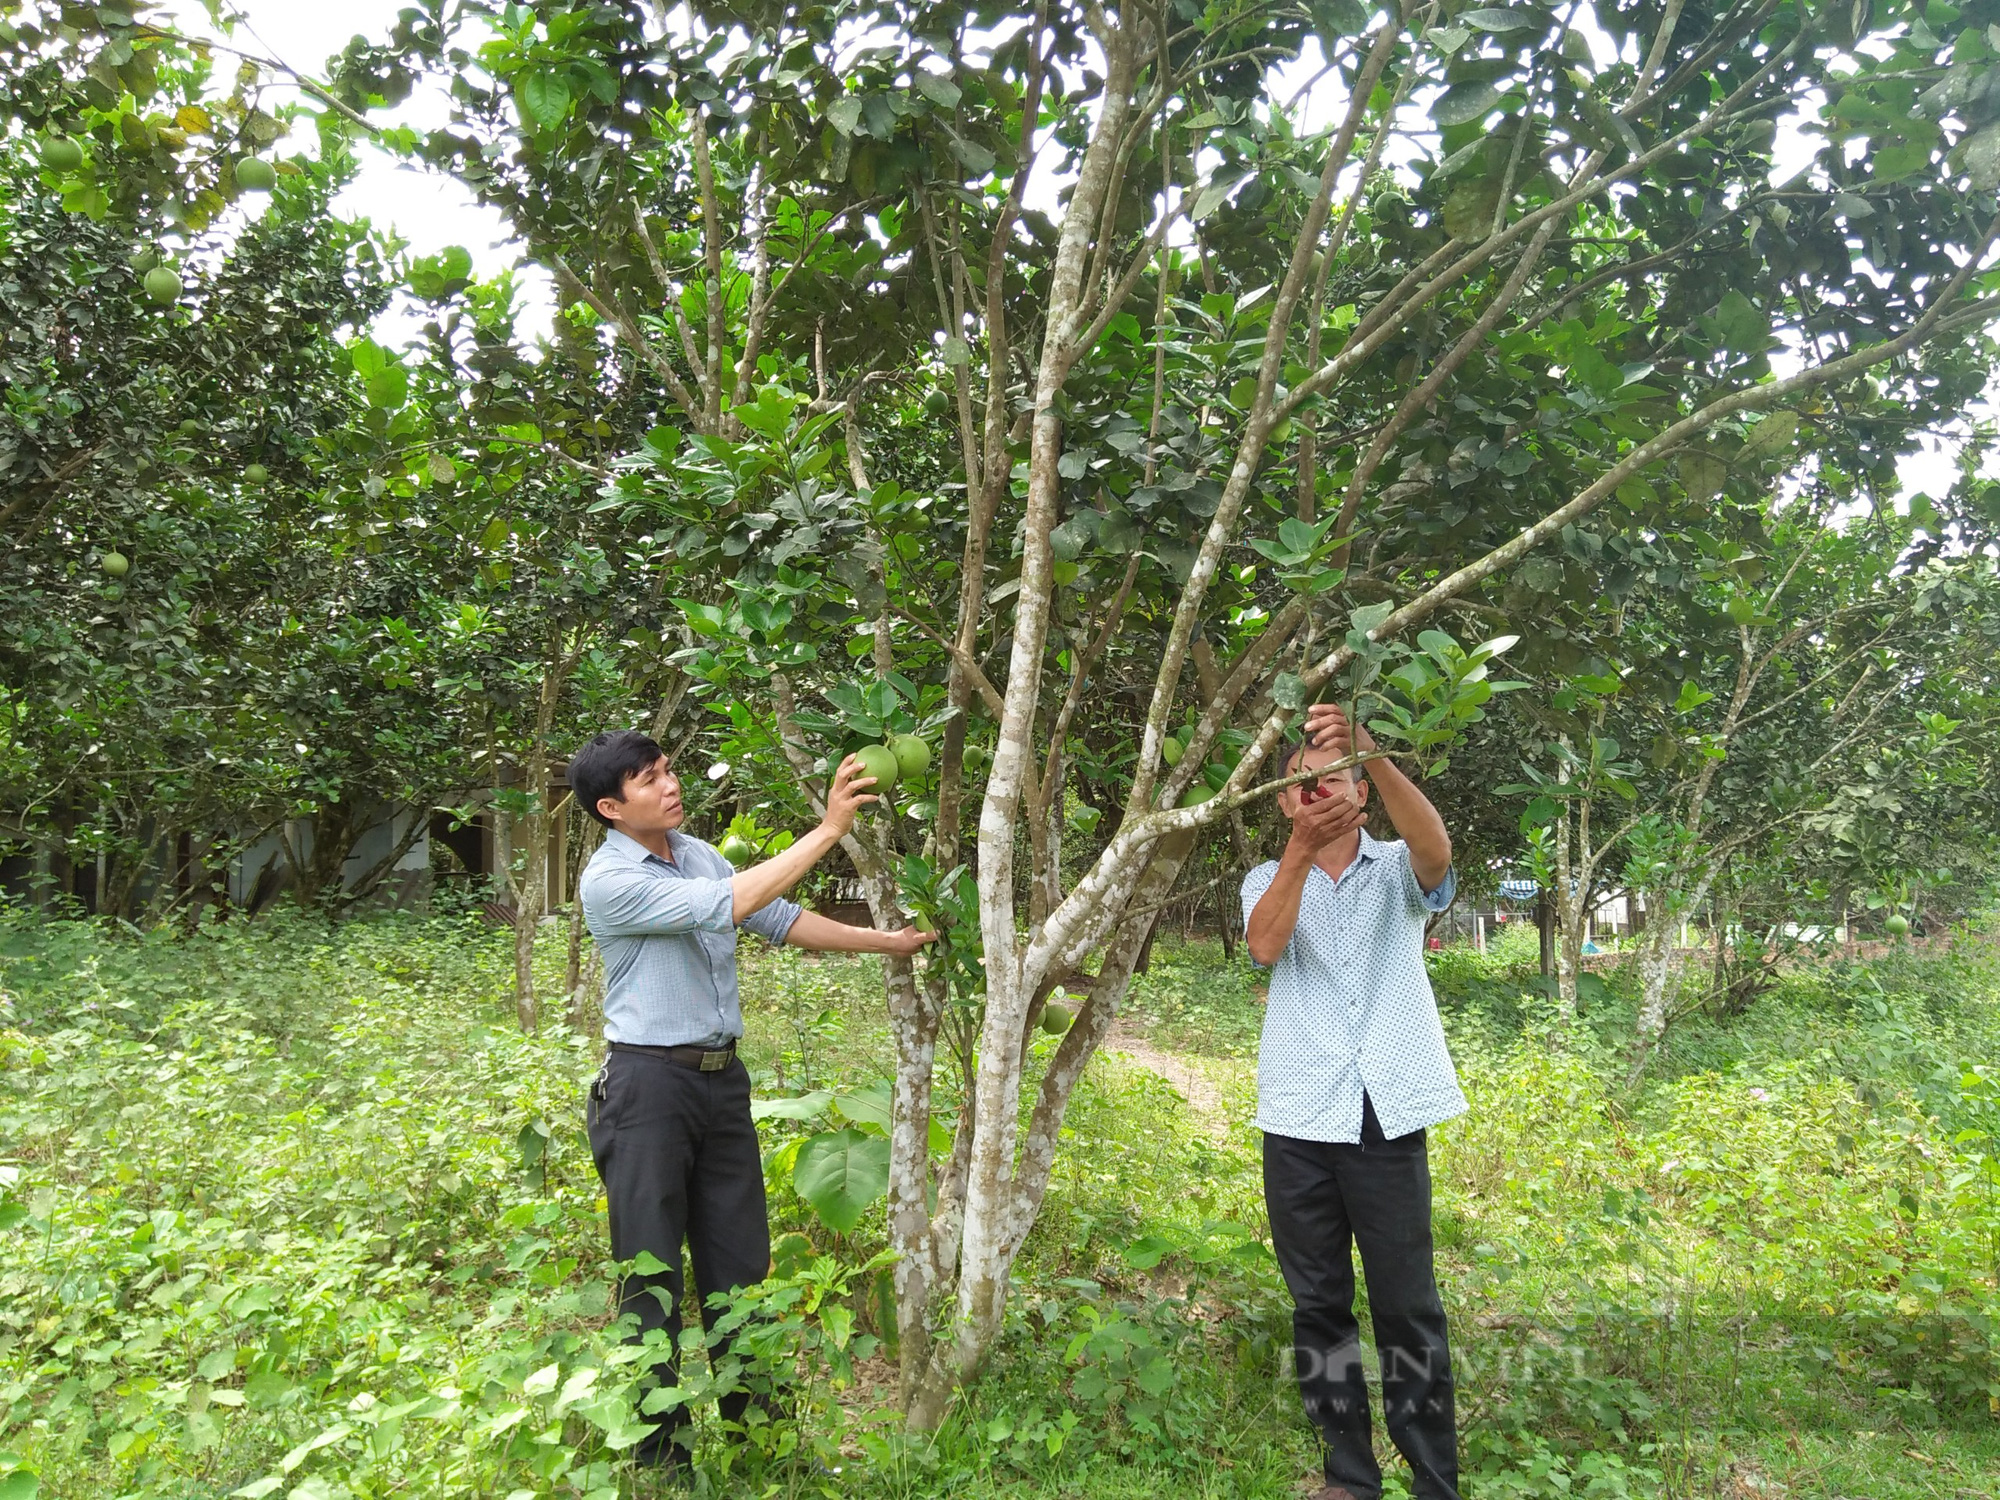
(669, 1112)
(1353, 1068)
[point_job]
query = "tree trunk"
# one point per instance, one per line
(1658, 961)
(574, 968)
(1568, 914)
(1545, 928)
(528, 904)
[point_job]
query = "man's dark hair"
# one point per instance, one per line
(599, 769)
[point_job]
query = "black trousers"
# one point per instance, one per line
(678, 1155)
(1324, 1198)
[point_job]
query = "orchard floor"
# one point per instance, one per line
(293, 1210)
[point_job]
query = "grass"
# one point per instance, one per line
(293, 1210)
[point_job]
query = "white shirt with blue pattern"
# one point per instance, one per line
(1351, 1007)
(666, 932)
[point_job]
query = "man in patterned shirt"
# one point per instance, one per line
(669, 1112)
(1352, 1069)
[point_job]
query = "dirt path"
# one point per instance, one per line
(1190, 1081)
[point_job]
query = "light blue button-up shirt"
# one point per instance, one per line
(1351, 1007)
(669, 944)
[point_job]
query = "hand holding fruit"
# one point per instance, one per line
(849, 794)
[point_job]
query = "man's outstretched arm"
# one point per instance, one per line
(824, 935)
(761, 884)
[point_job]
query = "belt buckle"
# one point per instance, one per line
(714, 1062)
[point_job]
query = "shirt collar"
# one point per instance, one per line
(627, 847)
(1371, 848)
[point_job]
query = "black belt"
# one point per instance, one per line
(706, 1059)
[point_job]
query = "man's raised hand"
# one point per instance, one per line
(848, 795)
(1327, 728)
(1338, 809)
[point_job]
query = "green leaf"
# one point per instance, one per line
(1542, 574)
(1702, 475)
(1691, 698)
(389, 388)
(543, 96)
(1980, 153)
(23, 1484)
(1369, 616)
(1147, 1252)
(1298, 537)
(974, 157)
(1464, 103)
(841, 1174)
(1500, 19)
(1895, 162)
(940, 91)
(298, 1455)
(1469, 207)
(1209, 199)
(844, 114)
(1745, 330)
(1771, 436)
(1289, 691)
(871, 1104)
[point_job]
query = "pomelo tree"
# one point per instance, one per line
(159, 350)
(1239, 407)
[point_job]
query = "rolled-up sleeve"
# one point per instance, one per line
(772, 922)
(622, 901)
(1255, 884)
(1436, 900)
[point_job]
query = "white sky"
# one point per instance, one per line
(432, 211)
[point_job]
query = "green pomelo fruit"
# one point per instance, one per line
(1197, 794)
(737, 850)
(190, 427)
(1898, 925)
(1056, 1018)
(1172, 751)
(254, 174)
(61, 154)
(162, 285)
(878, 761)
(913, 756)
(255, 473)
(936, 402)
(977, 758)
(115, 564)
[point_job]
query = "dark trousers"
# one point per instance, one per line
(678, 1155)
(1323, 1199)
